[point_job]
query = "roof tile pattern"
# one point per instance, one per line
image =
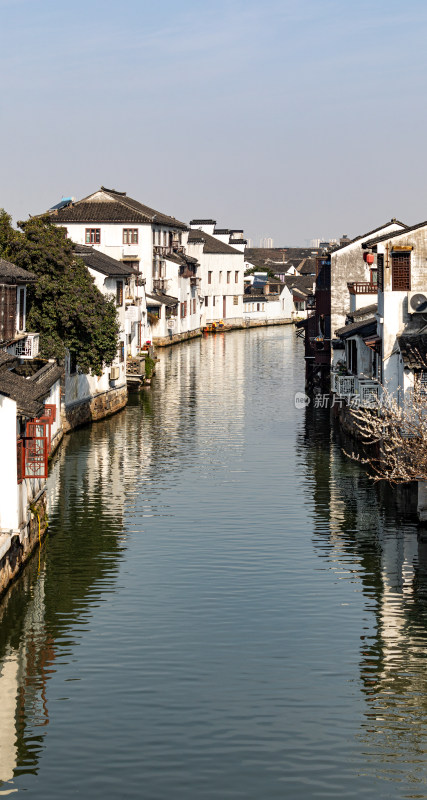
(102, 263)
(413, 348)
(210, 244)
(109, 206)
(10, 273)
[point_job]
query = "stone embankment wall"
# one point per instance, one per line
(229, 325)
(96, 408)
(16, 547)
(164, 341)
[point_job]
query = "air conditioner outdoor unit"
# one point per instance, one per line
(417, 303)
(114, 373)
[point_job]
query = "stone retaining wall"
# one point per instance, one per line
(165, 341)
(236, 324)
(96, 408)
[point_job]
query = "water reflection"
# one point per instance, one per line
(58, 587)
(368, 534)
(226, 606)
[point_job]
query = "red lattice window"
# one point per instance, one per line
(401, 272)
(50, 412)
(35, 455)
(48, 418)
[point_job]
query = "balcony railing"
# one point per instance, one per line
(358, 392)
(27, 347)
(161, 250)
(161, 284)
(369, 393)
(362, 287)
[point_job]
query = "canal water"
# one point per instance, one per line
(225, 606)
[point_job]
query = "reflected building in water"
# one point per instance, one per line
(368, 534)
(78, 564)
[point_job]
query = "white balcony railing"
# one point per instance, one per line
(369, 393)
(360, 392)
(27, 347)
(345, 385)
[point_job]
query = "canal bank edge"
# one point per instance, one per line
(166, 341)
(16, 547)
(94, 409)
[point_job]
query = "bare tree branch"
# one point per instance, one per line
(395, 436)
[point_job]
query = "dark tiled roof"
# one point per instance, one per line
(393, 234)
(211, 245)
(302, 282)
(203, 222)
(362, 312)
(307, 266)
(238, 241)
(368, 233)
(366, 326)
(10, 273)
(6, 360)
(413, 348)
(164, 299)
(116, 207)
(103, 263)
(23, 391)
(299, 292)
(180, 258)
(221, 230)
(44, 379)
(278, 257)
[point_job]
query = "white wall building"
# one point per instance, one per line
(90, 397)
(175, 301)
(122, 228)
(222, 276)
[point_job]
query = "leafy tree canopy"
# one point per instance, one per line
(64, 305)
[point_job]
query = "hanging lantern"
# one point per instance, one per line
(369, 258)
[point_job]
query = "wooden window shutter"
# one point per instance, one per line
(7, 312)
(401, 272)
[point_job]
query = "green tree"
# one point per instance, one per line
(64, 304)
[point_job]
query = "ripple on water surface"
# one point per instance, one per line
(225, 606)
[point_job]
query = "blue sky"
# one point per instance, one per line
(288, 119)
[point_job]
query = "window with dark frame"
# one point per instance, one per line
(228, 276)
(209, 276)
(93, 235)
(206, 300)
(130, 235)
(236, 277)
(119, 293)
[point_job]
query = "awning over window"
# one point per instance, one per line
(374, 342)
